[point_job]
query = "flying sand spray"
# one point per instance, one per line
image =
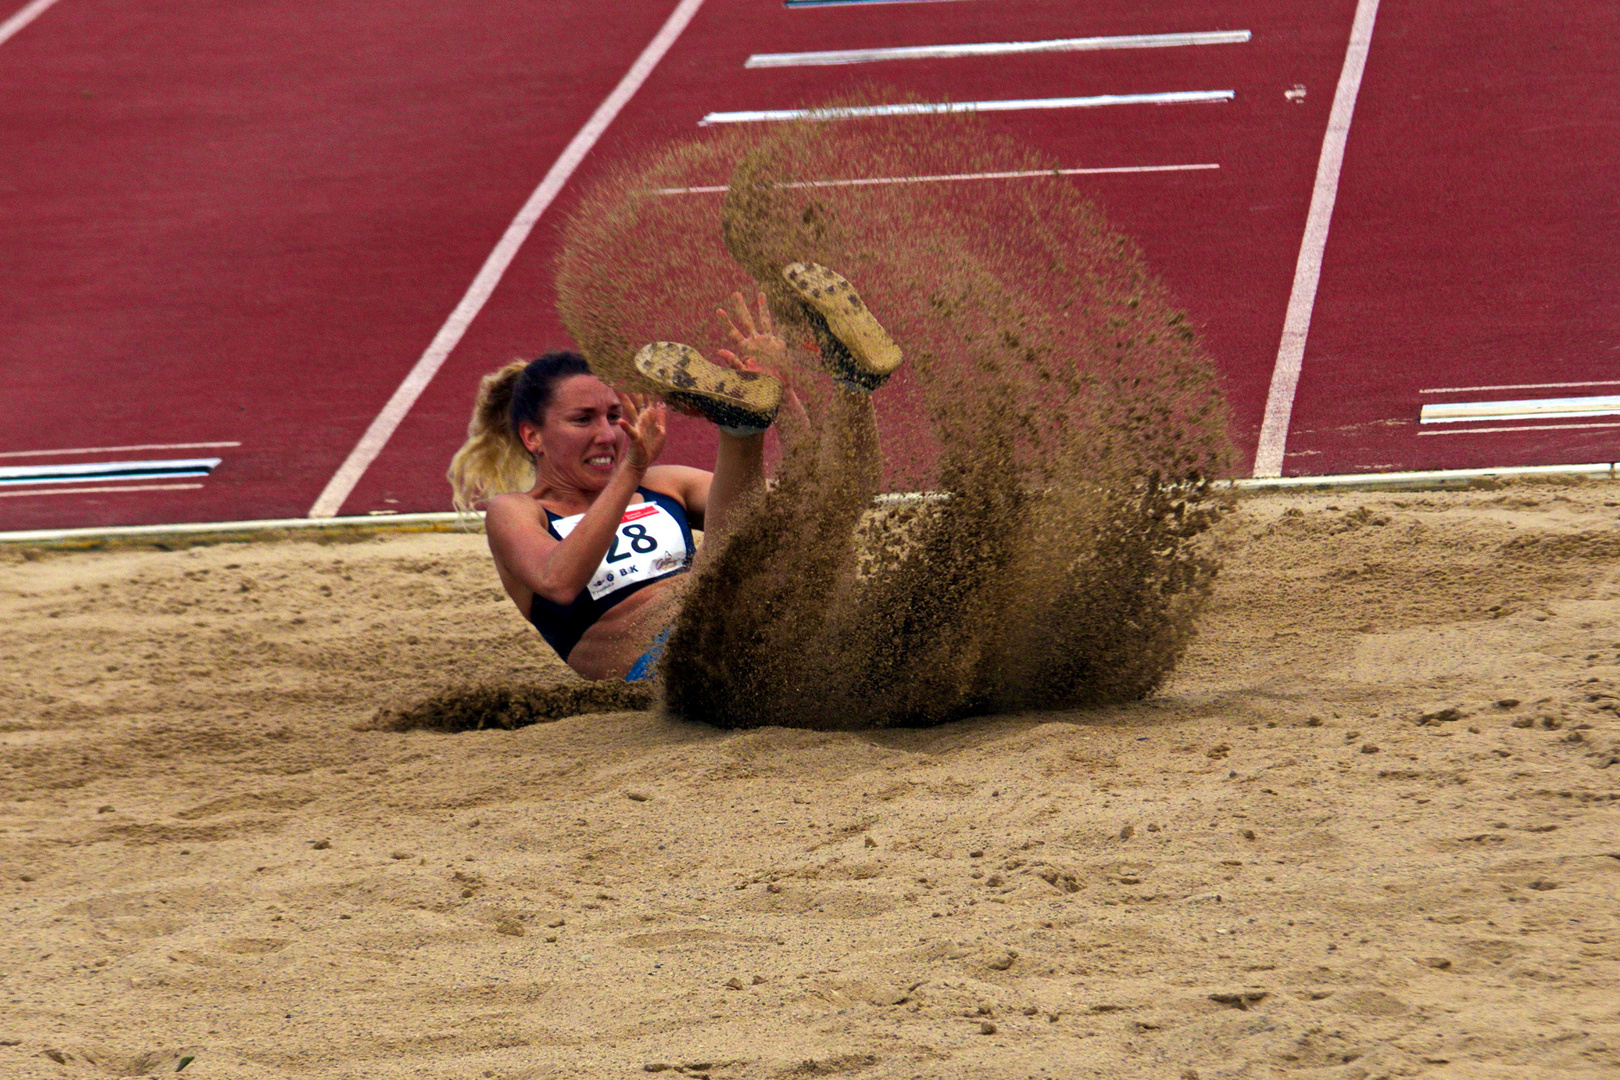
(1055, 415)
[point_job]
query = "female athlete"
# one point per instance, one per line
(593, 553)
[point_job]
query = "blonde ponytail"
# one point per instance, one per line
(492, 461)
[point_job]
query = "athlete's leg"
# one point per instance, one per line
(739, 476)
(773, 592)
(759, 614)
(849, 466)
(851, 443)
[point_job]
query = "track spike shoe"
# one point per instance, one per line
(738, 402)
(858, 351)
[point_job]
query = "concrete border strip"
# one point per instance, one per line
(447, 520)
(1429, 476)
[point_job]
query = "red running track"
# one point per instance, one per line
(1474, 242)
(245, 222)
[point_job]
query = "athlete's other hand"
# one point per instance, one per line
(755, 335)
(642, 419)
(793, 409)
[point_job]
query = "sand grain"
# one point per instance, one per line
(201, 855)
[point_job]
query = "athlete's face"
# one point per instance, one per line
(579, 441)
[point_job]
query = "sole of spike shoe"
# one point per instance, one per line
(859, 352)
(738, 402)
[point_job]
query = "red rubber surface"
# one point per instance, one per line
(244, 221)
(232, 221)
(1475, 239)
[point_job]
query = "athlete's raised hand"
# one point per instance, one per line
(643, 421)
(755, 335)
(793, 408)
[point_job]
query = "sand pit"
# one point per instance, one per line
(1367, 829)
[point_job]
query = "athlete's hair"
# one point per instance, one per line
(494, 460)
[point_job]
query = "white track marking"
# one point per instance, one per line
(1519, 386)
(1268, 457)
(932, 108)
(1002, 48)
(478, 293)
(1020, 175)
(1460, 412)
(1520, 427)
(26, 15)
(106, 470)
(98, 490)
(118, 449)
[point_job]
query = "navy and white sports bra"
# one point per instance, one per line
(653, 542)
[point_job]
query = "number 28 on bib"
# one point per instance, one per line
(649, 544)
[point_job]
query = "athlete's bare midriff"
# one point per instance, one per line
(612, 644)
(616, 641)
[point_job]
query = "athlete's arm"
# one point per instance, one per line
(686, 485)
(558, 570)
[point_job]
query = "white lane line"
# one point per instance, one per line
(106, 470)
(98, 490)
(1458, 412)
(1022, 174)
(1519, 427)
(118, 449)
(26, 15)
(1519, 386)
(932, 108)
(1268, 457)
(994, 48)
(489, 275)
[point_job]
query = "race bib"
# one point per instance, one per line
(648, 545)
